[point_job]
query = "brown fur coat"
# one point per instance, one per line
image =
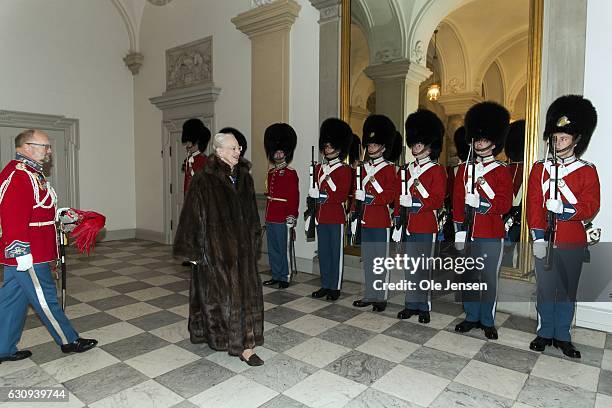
(219, 228)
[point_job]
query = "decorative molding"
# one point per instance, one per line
(386, 55)
(190, 96)
(159, 2)
(259, 3)
(399, 69)
(116, 235)
(133, 61)
(417, 53)
(459, 103)
(129, 25)
(455, 86)
(276, 16)
(189, 64)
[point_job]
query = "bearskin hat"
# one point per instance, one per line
(378, 129)
(337, 133)
(395, 152)
(515, 142)
(487, 120)
(239, 138)
(574, 115)
(463, 148)
(195, 132)
(280, 136)
(424, 126)
(355, 150)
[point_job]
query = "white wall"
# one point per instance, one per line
(64, 57)
(177, 23)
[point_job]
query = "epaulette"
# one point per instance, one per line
(587, 163)
(540, 161)
(501, 163)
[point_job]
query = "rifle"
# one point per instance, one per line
(468, 221)
(311, 203)
(551, 216)
(358, 213)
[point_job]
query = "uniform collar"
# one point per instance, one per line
(377, 160)
(567, 160)
(194, 154)
(485, 160)
(26, 160)
(333, 161)
(278, 166)
(422, 161)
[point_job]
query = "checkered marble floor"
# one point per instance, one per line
(132, 297)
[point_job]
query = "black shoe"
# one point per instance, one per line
(361, 303)
(567, 348)
(407, 313)
(333, 294)
(490, 332)
(79, 345)
(283, 285)
(19, 355)
(424, 317)
(253, 361)
(540, 343)
(379, 306)
(270, 282)
(466, 326)
(320, 293)
(186, 263)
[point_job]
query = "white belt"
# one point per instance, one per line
(41, 223)
(284, 200)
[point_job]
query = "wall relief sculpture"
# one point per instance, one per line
(189, 64)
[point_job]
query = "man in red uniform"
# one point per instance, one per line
(283, 196)
(422, 185)
(332, 185)
(377, 192)
(514, 149)
(27, 216)
(565, 203)
(485, 187)
(195, 138)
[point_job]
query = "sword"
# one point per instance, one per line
(293, 264)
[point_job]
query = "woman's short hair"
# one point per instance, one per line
(219, 140)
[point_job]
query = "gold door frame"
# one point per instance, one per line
(532, 117)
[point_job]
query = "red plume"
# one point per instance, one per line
(89, 224)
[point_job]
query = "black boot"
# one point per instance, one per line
(540, 343)
(283, 285)
(567, 348)
(379, 306)
(19, 355)
(424, 317)
(407, 313)
(490, 332)
(361, 303)
(79, 345)
(320, 293)
(270, 282)
(466, 326)
(333, 294)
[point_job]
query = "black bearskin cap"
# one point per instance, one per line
(195, 132)
(463, 148)
(574, 115)
(515, 142)
(424, 126)
(239, 138)
(378, 129)
(355, 150)
(280, 136)
(337, 133)
(487, 120)
(395, 152)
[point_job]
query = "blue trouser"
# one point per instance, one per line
(480, 305)
(278, 250)
(418, 246)
(331, 254)
(374, 244)
(557, 292)
(36, 288)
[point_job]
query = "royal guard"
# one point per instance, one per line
(195, 139)
(422, 187)
(332, 186)
(374, 194)
(562, 195)
(282, 205)
(28, 208)
(514, 149)
(482, 195)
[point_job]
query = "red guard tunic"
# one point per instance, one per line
(27, 213)
(283, 194)
(193, 163)
(494, 186)
(426, 182)
(578, 189)
(334, 181)
(379, 180)
(516, 171)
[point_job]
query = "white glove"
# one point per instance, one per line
(360, 195)
(473, 200)
(406, 200)
(539, 248)
(460, 240)
(313, 192)
(24, 262)
(354, 226)
(555, 206)
(396, 236)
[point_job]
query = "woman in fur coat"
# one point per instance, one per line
(219, 230)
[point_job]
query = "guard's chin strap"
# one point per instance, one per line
(377, 153)
(332, 156)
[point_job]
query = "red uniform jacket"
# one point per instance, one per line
(427, 186)
(488, 221)
(193, 163)
(376, 205)
(27, 213)
(516, 171)
(334, 190)
(579, 191)
(283, 194)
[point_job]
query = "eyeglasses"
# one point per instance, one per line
(46, 146)
(234, 148)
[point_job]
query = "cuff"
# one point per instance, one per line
(417, 204)
(537, 234)
(368, 199)
(322, 197)
(458, 226)
(17, 248)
